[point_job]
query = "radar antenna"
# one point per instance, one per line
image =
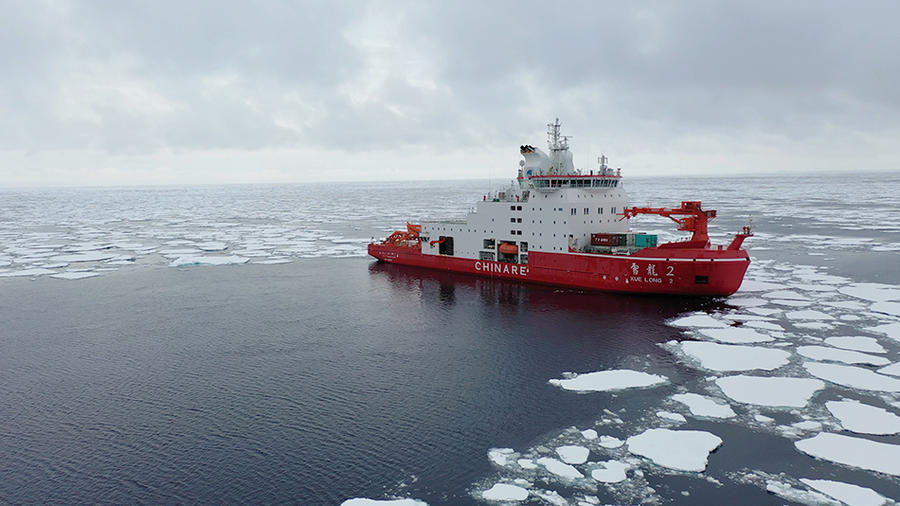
(555, 141)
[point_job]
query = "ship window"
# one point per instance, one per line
(512, 208)
(519, 232)
(599, 210)
(518, 220)
(523, 246)
(512, 220)
(573, 211)
(488, 244)
(613, 210)
(518, 208)
(486, 255)
(523, 259)
(512, 232)
(587, 210)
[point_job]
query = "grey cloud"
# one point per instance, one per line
(351, 76)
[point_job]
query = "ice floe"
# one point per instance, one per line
(211, 246)
(808, 314)
(853, 451)
(891, 330)
(893, 369)
(208, 260)
(749, 285)
(37, 271)
(683, 450)
(747, 301)
(573, 454)
(610, 442)
(863, 418)
(891, 308)
(526, 464)
(698, 320)
(736, 335)
(853, 377)
(500, 456)
(589, 434)
(845, 356)
(360, 501)
(505, 492)
(875, 292)
(668, 415)
(84, 257)
(728, 357)
(785, 294)
(610, 471)
(847, 493)
(786, 491)
(757, 324)
(770, 391)
(75, 275)
(856, 343)
(704, 406)
(601, 381)
(559, 468)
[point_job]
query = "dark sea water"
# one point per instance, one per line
(330, 376)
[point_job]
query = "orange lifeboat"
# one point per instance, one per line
(508, 248)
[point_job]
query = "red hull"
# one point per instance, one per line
(684, 271)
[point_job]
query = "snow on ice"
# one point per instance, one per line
(856, 343)
(698, 320)
(853, 377)
(847, 493)
(683, 450)
(602, 381)
(736, 335)
(808, 314)
(704, 406)
(863, 418)
(727, 357)
(891, 330)
(560, 469)
(359, 501)
(75, 275)
(845, 356)
(893, 369)
(505, 492)
(611, 471)
(770, 391)
(853, 451)
(208, 260)
(572, 454)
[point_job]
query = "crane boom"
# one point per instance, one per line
(690, 217)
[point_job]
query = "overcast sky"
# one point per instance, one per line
(128, 92)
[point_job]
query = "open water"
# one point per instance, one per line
(299, 371)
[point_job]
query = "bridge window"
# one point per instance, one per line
(587, 210)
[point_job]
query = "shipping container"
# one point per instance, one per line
(607, 239)
(645, 240)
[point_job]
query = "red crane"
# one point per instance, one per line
(692, 219)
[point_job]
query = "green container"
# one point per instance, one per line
(645, 240)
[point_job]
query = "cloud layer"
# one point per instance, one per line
(152, 92)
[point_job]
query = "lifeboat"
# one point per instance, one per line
(508, 248)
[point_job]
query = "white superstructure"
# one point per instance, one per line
(549, 207)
